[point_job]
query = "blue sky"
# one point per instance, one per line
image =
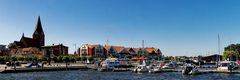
(177, 27)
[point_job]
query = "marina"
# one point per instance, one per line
(89, 67)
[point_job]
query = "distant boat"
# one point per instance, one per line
(155, 68)
(109, 64)
(189, 69)
(227, 66)
(170, 65)
(142, 67)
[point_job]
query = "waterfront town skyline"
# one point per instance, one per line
(95, 23)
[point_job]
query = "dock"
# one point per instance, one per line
(54, 67)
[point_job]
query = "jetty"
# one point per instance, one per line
(52, 67)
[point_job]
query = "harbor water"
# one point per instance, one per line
(95, 75)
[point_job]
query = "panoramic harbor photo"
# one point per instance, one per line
(119, 40)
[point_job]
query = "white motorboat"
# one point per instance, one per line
(155, 68)
(141, 67)
(109, 64)
(170, 65)
(227, 66)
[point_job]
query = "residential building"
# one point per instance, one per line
(3, 47)
(91, 50)
(3, 50)
(54, 50)
(25, 51)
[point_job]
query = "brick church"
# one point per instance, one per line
(36, 44)
(37, 40)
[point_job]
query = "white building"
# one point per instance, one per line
(89, 50)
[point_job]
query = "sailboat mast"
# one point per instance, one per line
(218, 58)
(142, 47)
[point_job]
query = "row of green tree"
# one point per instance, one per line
(43, 58)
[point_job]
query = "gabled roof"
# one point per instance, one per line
(19, 44)
(29, 41)
(107, 47)
(151, 50)
(125, 50)
(92, 45)
(136, 49)
(54, 46)
(118, 48)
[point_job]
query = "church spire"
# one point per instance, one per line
(38, 34)
(38, 28)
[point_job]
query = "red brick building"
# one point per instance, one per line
(55, 50)
(38, 39)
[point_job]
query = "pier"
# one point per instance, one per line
(53, 67)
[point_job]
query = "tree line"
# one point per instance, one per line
(56, 59)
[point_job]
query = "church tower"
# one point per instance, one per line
(38, 34)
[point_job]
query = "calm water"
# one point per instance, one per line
(94, 75)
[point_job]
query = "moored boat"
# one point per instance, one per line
(109, 64)
(189, 69)
(155, 68)
(141, 67)
(227, 66)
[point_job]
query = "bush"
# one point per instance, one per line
(91, 59)
(78, 58)
(28, 58)
(83, 59)
(66, 59)
(72, 59)
(1, 58)
(6, 58)
(128, 56)
(59, 58)
(13, 58)
(55, 59)
(44, 58)
(35, 58)
(20, 58)
(39, 59)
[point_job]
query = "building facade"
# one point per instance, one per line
(89, 50)
(54, 50)
(3, 47)
(3, 50)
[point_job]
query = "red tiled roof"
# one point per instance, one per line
(151, 50)
(107, 47)
(136, 49)
(118, 48)
(26, 49)
(92, 45)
